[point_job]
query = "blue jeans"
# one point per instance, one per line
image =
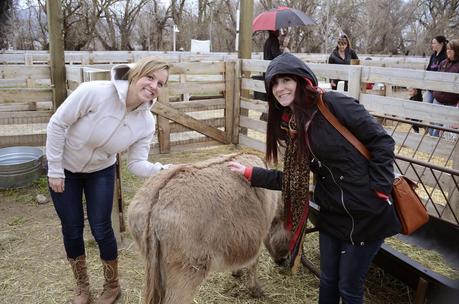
(98, 188)
(343, 268)
(433, 131)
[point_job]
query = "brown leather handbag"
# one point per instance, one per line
(410, 210)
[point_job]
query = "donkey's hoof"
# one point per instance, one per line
(237, 273)
(256, 292)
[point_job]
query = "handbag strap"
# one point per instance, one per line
(323, 108)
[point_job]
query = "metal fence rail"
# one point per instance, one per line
(431, 161)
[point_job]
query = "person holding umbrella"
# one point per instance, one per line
(271, 48)
(273, 21)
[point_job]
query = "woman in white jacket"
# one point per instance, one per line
(98, 120)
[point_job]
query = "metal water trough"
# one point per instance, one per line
(20, 166)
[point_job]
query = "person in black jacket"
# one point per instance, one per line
(342, 54)
(439, 54)
(271, 48)
(353, 193)
(415, 95)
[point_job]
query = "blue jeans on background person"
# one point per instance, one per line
(98, 188)
(343, 268)
(433, 131)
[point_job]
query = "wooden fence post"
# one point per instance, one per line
(355, 73)
(229, 99)
(164, 128)
(29, 61)
(117, 215)
(245, 46)
(182, 79)
(389, 89)
(56, 52)
(237, 101)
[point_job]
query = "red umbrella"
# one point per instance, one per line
(280, 17)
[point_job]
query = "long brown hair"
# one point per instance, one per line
(303, 108)
(454, 45)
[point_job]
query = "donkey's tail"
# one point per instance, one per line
(153, 284)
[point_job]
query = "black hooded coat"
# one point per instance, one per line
(346, 182)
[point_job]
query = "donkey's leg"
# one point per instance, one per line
(253, 284)
(182, 281)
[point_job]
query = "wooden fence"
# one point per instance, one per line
(210, 102)
(112, 57)
(25, 104)
(194, 109)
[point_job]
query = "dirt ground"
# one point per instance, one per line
(34, 268)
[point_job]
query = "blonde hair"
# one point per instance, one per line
(146, 66)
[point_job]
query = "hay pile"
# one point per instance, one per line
(431, 259)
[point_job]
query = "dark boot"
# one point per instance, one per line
(81, 276)
(112, 289)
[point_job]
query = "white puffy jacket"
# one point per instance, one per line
(92, 125)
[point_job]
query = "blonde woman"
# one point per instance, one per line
(98, 120)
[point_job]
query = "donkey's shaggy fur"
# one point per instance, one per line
(194, 219)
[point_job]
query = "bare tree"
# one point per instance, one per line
(374, 26)
(439, 17)
(6, 14)
(115, 30)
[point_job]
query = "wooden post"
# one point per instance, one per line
(237, 102)
(29, 61)
(182, 79)
(245, 46)
(229, 99)
(354, 81)
(164, 128)
(28, 58)
(389, 89)
(56, 50)
(245, 25)
(117, 210)
(421, 291)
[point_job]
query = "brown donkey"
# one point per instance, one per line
(195, 219)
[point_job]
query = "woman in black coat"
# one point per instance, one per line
(353, 193)
(439, 54)
(342, 54)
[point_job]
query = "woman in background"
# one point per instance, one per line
(449, 65)
(342, 54)
(438, 55)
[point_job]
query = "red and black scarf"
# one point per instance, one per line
(295, 189)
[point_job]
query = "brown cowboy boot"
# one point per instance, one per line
(112, 289)
(81, 276)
